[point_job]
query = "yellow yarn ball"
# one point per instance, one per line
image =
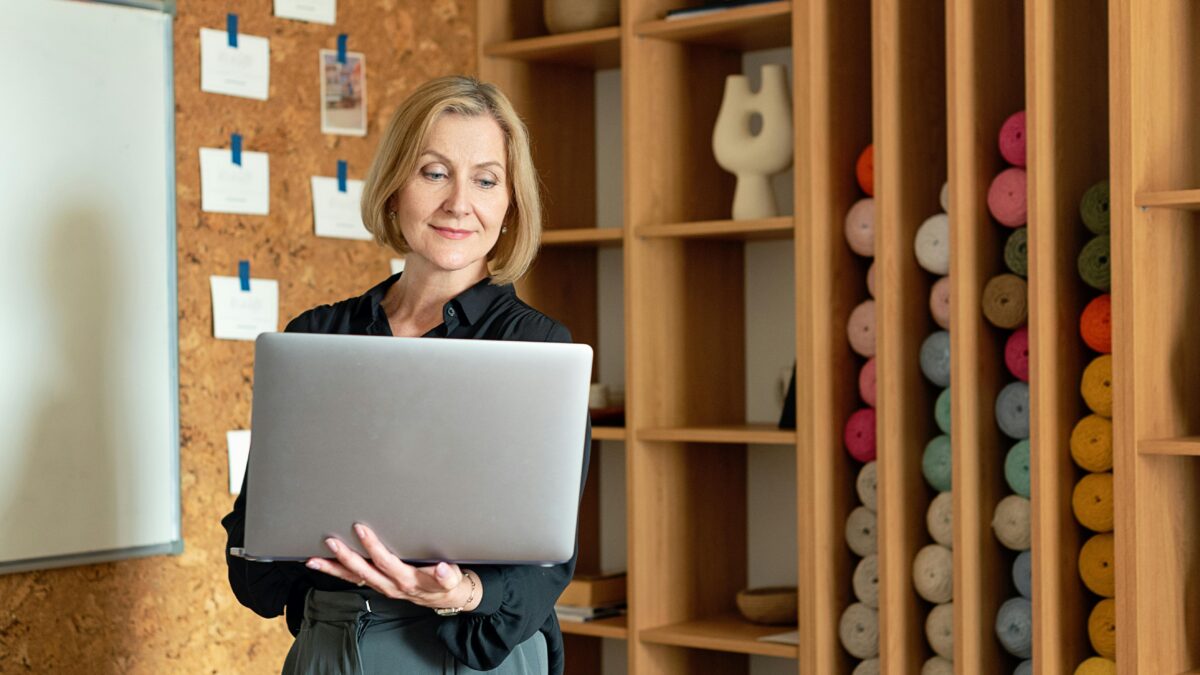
(1102, 628)
(1092, 443)
(1093, 502)
(1096, 386)
(1096, 565)
(1096, 666)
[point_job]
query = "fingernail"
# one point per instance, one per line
(360, 530)
(313, 565)
(332, 544)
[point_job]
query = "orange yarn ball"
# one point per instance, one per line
(1095, 324)
(1102, 628)
(865, 170)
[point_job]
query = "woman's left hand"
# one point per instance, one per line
(436, 586)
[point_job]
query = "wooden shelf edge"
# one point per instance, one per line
(780, 227)
(724, 633)
(615, 628)
(599, 48)
(729, 19)
(1188, 200)
(603, 433)
(1187, 446)
(602, 236)
(754, 434)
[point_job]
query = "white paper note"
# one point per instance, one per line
(338, 214)
(226, 187)
(239, 451)
(243, 71)
(317, 11)
(243, 315)
(397, 265)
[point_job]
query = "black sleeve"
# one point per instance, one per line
(266, 588)
(518, 600)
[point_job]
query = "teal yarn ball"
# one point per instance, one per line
(1095, 263)
(1016, 468)
(1014, 627)
(941, 410)
(1022, 573)
(1012, 410)
(935, 464)
(935, 358)
(1015, 251)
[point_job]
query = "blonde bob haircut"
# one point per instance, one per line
(403, 143)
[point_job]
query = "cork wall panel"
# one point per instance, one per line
(177, 614)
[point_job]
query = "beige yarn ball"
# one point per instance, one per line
(866, 484)
(939, 630)
(866, 581)
(940, 519)
(1011, 523)
(938, 665)
(861, 532)
(933, 573)
(859, 631)
(868, 667)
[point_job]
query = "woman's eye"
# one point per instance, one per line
(487, 183)
(435, 175)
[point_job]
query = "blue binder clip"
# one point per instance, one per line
(235, 148)
(244, 274)
(342, 49)
(231, 29)
(341, 175)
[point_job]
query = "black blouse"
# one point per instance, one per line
(518, 600)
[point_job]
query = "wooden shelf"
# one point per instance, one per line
(780, 227)
(1187, 200)
(596, 49)
(615, 627)
(603, 433)
(1188, 446)
(599, 236)
(745, 29)
(751, 434)
(724, 633)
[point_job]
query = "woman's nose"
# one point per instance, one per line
(457, 203)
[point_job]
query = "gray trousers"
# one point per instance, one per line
(364, 633)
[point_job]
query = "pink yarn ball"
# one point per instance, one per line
(939, 302)
(1016, 353)
(860, 227)
(860, 435)
(1006, 197)
(860, 329)
(866, 382)
(871, 279)
(1012, 139)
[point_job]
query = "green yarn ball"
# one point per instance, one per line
(1095, 263)
(1016, 468)
(936, 463)
(1094, 208)
(941, 410)
(1016, 252)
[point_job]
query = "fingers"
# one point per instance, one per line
(333, 568)
(360, 569)
(442, 576)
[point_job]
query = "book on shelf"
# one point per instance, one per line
(576, 614)
(711, 7)
(587, 590)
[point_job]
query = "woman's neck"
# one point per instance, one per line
(419, 294)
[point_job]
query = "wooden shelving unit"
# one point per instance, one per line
(1155, 140)
(1188, 446)
(725, 633)
(595, 49)
(616, 628)
(767, 228)
(607, 236)
(745, 433)
(740, 29)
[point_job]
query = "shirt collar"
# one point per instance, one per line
(471, 303)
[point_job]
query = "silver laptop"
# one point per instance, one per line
(466, 451)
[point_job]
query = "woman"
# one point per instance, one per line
(453, 189)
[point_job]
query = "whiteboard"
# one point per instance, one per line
(89, 451)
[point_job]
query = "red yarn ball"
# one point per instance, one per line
(1095, 324)
(860, 434)
(1016, 353)
(1012, 139)
(866, 382)
(865, 170)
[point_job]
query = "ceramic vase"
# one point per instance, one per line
(568, 16)
(754, 158)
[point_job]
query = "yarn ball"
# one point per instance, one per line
(1014, 627)
(1012, 139)
(866, 581)
(864, 169)
(1094, 208)
(944, 196)
(1092, 443)
(1010, 522)
(935, 463)
(865, 484)
(860, 227)
(1097, 666)
(932, 244)
(1012, 410)
(1096, 385)
(866, 382)
(940, 519)
(939, 302)
(1024, 668)
(1095, 263)
(860, 434)
(937, 665)
(1007, 197)
(1016, 256)
(1005, 301)
(1097, 565)
(1095, 324)
(1016, 353)
(859, 630)
(860, 328)
(868, 667)
(933, 573)
(941, 410)
(1102, 628)
(871, 279)
(935, 358)
(1092, 502)
(939, 630)
(1016, 468)
(1022, 573)
(860, 532)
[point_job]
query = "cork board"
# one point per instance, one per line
(177, 614)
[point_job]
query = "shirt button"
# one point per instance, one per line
(450, 311)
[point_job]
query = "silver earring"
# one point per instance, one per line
(392, 215)
(503, 229)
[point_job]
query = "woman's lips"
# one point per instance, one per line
(451, 233)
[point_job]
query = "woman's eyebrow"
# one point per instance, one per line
(445, 159)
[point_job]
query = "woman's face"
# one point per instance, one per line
(451, 210)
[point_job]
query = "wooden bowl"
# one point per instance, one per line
(772, 606)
